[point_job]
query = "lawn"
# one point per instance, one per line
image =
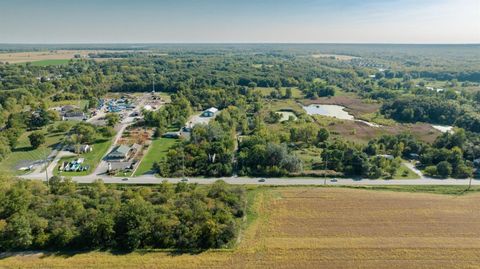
(92, 158)
(157, 150)
(318, 227)
(23, 154)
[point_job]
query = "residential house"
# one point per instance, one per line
(120, 153)
(80, 148)
(74, 116)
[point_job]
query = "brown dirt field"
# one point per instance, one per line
(323, 228)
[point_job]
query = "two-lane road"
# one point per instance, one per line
(152, 179)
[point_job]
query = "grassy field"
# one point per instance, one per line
(24, 153)
(316, 227)
(50, 62)
(80, 103)
(92, 158)
(157, 150)
(296, 93)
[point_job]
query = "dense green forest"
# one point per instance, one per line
(64, 216)
(410, 84)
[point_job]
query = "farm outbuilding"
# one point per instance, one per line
(210, 112)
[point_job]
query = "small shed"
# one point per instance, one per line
(386, 156)
(210, 112)
(171, 135)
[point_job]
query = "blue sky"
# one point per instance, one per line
(231, 21)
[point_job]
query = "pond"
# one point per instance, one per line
(334, 111)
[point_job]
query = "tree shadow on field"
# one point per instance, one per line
(71, 253)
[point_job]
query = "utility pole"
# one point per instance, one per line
(153, 84)
(183, 162)
(325, 171)
(46, 166)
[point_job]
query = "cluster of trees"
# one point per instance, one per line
(174, 114)
(438, 110)
(469, 121)
(63, 215)
(450, 154)
(353, 160)
(259, 157)
(85, 133)
(18, 123)
(209, 151)
(315, 90)
(423, 109)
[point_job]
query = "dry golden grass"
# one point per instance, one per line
(337, 57)
(31, 56)
(324, 228)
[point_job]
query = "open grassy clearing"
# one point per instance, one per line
(92, 159)
(80, 103)
(362, 133)
(24, 154)
(158, 150)
(317, 227)
(49, 62)
(368, 111)
(287, 104)
(265, 91)
(338, 57)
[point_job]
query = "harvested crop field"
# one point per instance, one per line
(34, 56)
(322, 228)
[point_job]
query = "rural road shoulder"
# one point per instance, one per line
(151, 179)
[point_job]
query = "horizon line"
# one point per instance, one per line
(234, 43)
